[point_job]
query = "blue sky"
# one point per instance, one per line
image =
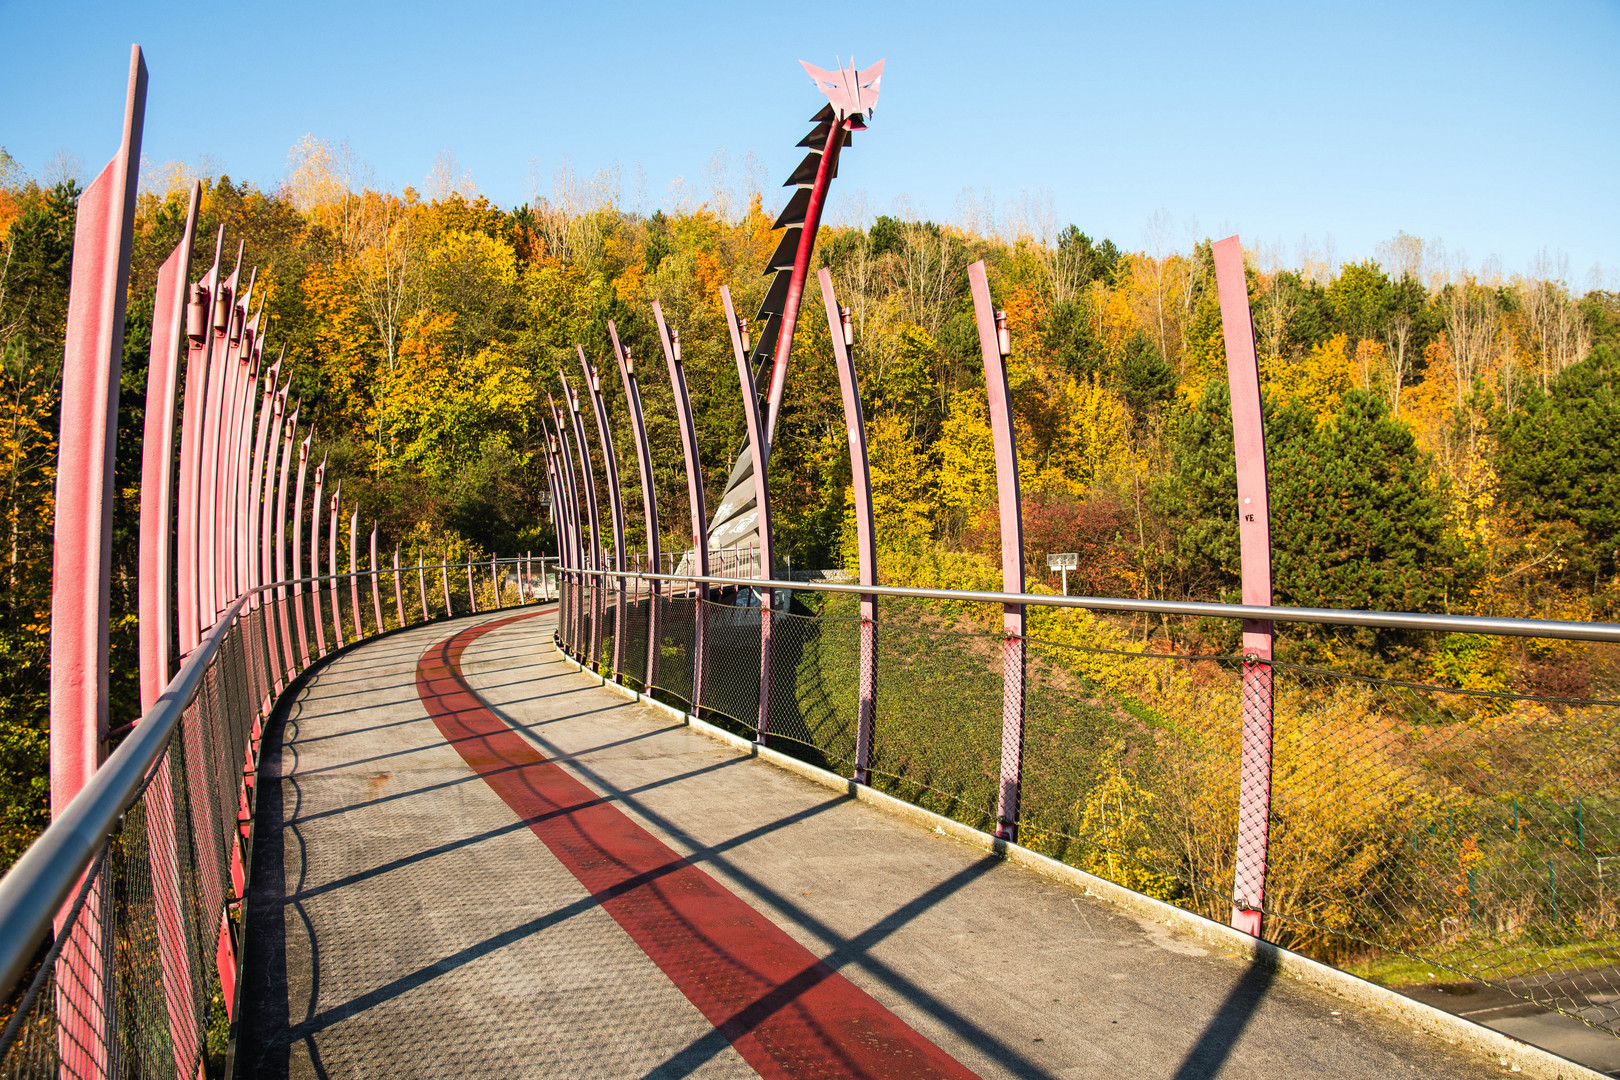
(1489, 126)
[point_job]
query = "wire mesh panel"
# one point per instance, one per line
(937, 739)
(815, 691)
(635, 639)
(1130, 769)
(731, 686)
(677, 633)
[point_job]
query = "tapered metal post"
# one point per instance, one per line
(315, 559)
(81, 582)
(188, 532)
(571, 515)
(376, 597)
(994, 347)
(596, 559)
(694, 492)
(472, 598)
(399, 590)
(649, 494)
(254, 504)
(157, 450)
(354, 576)
(495, 579)
(1254, 550)
(212, 418)
(865, 531)
(610, 466)
(298, 553)
(760, 447)
(421, 585)
(444, 572)
(332, 565)
(283, 598)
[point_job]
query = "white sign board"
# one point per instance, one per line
(1068, 560)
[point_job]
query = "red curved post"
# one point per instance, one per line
(376, 597)
(354, 576)
(212, 419)
(472, 597)
(157, 450)
(570, 511)
(610, 466)
(399, 590)
(81, 584)
(694, 492)
(157, 455)
(760, 448)
(1254, 549)
(865, 531)
(444, 572)
(332, 565)
(237, 364)
(595, 559)
(315, 559)
(190, 588)
(990, 323)
(273, 400)
(289, 438)
(649, 495)
(421, 585)
(495, 579)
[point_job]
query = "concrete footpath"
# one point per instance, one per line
(473, 861)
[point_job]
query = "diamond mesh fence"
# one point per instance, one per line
(1394, 826)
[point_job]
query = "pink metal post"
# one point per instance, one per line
(376, 597)
(865, 533)
(399, 590)
(649, 495)
(596, 559)
(444, 572)
(279, 543)
(190, 586)
(212, 418)
(495, 579)
(315, 559)
(332, 564)
(298, 589)
(273, 400)
(570, 516)
(1254, 548)
(472, 598)
(994, 347)
(421, 585)
(223, 366)
(157, 455)
(760, 447)
(694, 491)
(81, 583)
(354, 577)
(610, 466)
(157, 449)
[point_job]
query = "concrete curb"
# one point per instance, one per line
(1510, 1053)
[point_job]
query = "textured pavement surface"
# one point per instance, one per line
(406, 920)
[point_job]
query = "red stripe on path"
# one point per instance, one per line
(788, 1014)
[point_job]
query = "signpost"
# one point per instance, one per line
(1065, 561)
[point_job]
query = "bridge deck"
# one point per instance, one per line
(472, 862)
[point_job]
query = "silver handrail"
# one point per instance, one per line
(1561, 629)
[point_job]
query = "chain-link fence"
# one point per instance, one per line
(1401, 831)
(134, 973)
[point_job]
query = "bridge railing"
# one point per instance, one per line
(1419, 829)
(120, 927)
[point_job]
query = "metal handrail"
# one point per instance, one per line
(34, 889)
(1560, 629)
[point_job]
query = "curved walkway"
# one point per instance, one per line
(472, 861)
